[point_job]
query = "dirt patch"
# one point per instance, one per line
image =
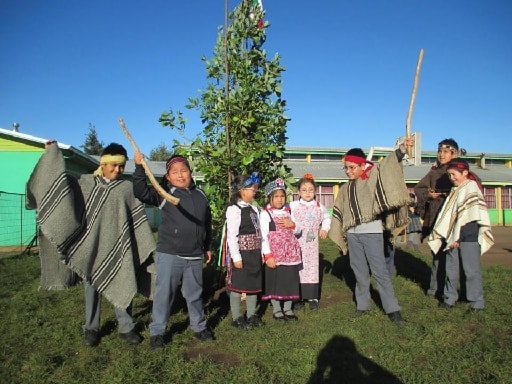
(499, 254)
(18, 250)
(196, 351)
(336, 297)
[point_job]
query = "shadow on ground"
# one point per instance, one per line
(340, 362)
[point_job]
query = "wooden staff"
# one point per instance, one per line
(170, 198)
(413, 97)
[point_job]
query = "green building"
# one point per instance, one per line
(19, 154)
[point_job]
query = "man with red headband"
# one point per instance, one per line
(374, 198)
(463, 231)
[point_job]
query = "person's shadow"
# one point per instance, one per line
(215, 295)
(339, 362)
(325, 266)
(342, 270)
(415, 269)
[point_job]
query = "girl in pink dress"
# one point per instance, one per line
(315, 222)
(281, 251)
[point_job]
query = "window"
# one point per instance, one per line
(490, 197)
(506, 198)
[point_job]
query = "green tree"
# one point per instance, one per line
(241, 110)
(92, 145)
(160, 153)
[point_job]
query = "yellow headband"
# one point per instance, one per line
(109, 159)
(113, 159)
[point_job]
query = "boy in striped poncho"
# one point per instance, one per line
(91, 228)
(374, 198)
(463, 231)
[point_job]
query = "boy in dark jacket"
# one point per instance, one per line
(431, 192)
(184, 238)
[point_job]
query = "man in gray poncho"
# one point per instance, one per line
(373, 199)
(91, 228)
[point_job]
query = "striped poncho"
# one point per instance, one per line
(383, 195)
(463, 205)
(88, 228)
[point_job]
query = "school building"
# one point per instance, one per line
(325, 164)
(19, 152)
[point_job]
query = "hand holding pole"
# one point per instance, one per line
(170, 198)
(413, 97)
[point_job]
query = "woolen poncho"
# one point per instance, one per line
(463, 205)
(384, 194)
(97, 230)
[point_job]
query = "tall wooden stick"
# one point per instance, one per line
(226, 86)
(413, 97)
(170, 198)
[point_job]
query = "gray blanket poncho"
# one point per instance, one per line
(88, 228)
(384, 194)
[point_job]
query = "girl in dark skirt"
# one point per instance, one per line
(281, 251)
(244, 273)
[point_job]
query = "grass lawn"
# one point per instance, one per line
(41, 336)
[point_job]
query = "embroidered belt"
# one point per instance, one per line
(249, 242)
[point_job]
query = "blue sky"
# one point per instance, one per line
(348, 81)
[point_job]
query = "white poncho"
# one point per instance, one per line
(463, 205)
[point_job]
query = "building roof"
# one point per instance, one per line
(323, 170)
(331, 170)
(38, 142)
(342, 150)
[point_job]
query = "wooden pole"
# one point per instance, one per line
(226, 86)
(170, 198)
(413, 97)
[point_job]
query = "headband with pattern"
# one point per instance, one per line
(274, 186)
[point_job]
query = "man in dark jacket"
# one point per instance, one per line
(184, 238)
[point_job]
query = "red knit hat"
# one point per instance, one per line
(176, 159)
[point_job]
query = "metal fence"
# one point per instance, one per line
(17, 224)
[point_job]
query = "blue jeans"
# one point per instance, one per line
(170, 271)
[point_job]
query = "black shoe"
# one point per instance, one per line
(91, 338)
(298, 305)
(314, 305)
(156, 342)
(241, 323)
(279, 316)
(396, 317)
(205, 335)
(255, 321)
(131, 337)
(290, 316)
(361, 312)
(445, 305)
